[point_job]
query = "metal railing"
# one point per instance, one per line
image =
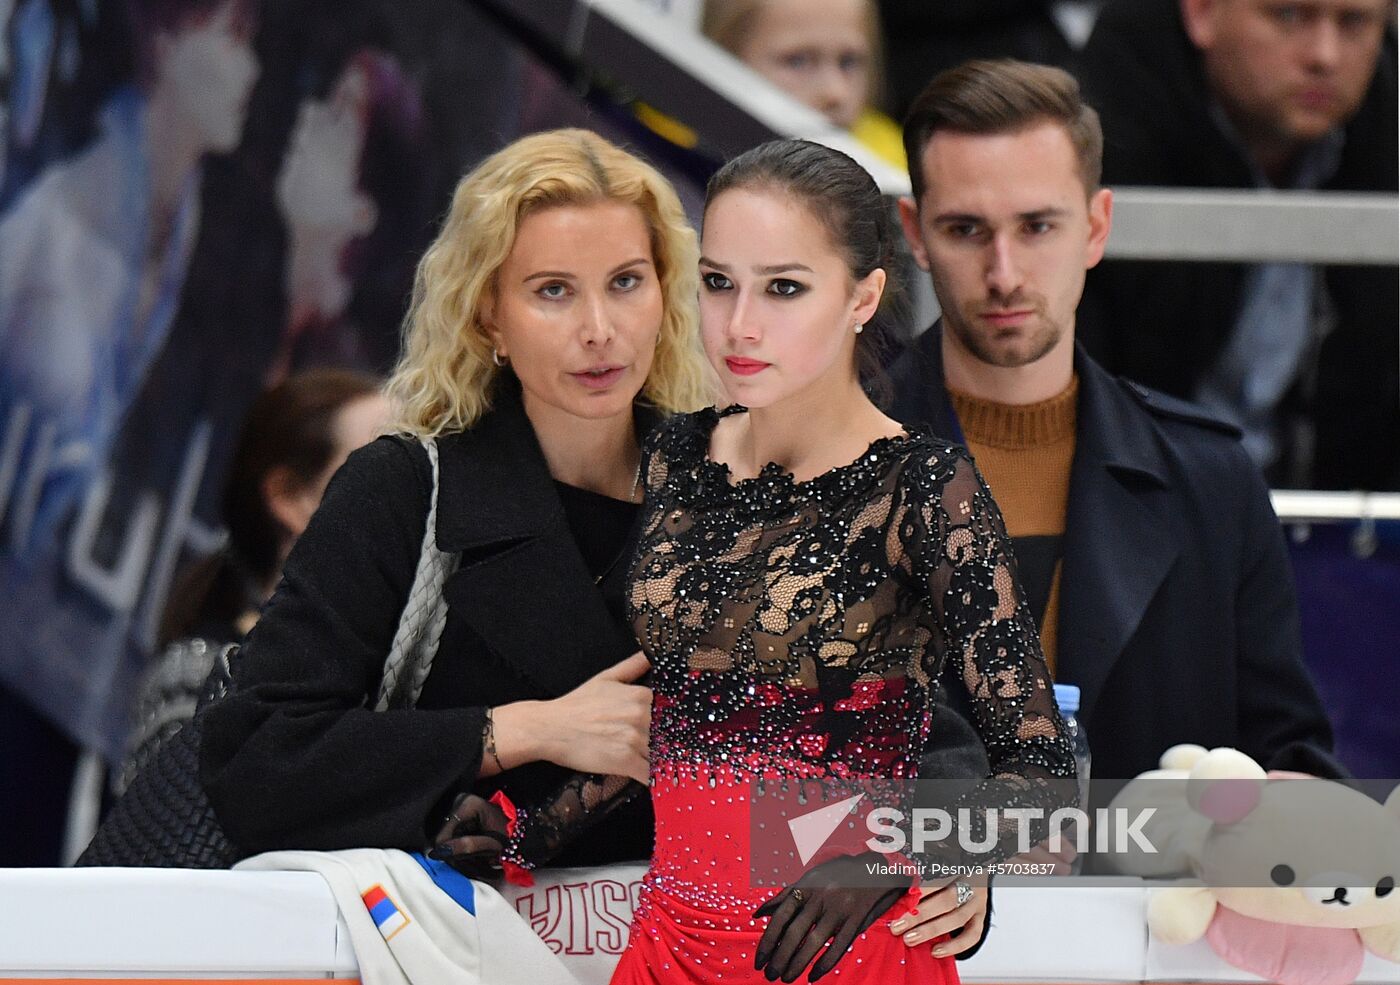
(730, 108)
(1254, 226)
(1304, 506)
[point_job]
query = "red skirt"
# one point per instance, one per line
(672, 942)
(694, 924)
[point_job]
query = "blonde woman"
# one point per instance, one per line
(552, 323)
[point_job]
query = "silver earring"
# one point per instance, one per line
(859, 328)
(496, 357)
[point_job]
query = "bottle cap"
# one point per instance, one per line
(1067, 697)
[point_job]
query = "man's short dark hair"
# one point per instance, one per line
(1003, 96)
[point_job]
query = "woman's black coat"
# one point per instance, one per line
(296, 758)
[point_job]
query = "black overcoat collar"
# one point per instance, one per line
(523, 586)
(1121, 537)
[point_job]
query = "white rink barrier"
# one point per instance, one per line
(165, 926)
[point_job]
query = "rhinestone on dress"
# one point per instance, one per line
(794, 630)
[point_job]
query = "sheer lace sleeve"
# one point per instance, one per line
(958, 548)
(543, 830)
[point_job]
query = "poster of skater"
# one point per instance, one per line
(199, 197)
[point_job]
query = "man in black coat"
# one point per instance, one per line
(1145, 539)
(1246, 94)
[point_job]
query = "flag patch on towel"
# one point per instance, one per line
(386, 916)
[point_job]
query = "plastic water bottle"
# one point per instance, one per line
(1067, 697)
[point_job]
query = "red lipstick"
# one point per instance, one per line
(740, 366)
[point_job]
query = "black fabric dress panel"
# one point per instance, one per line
(295, 759)
(602, 528)
(1036, 558)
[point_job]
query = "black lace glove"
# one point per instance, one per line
(830, 906)
(472, 837)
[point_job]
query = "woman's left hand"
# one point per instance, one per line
(472, 837)
(938, 913)
(823, 912)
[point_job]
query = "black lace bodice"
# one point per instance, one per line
(796, 627)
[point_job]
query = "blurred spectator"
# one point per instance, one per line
(826, 53)
(295, 437)
(1256, 94)
(924, 37)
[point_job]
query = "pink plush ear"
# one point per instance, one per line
(1225, 786)
(1229, 801)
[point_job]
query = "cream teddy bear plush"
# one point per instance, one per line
(1300, 875)
(1174, 831)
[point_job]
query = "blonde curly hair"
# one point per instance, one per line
(444, 377)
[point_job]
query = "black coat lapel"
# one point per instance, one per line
(1120, 535)
(522, 586)
(920, 396)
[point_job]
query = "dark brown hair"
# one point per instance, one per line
(290, 426)
(846, 201)
(1003, 96)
